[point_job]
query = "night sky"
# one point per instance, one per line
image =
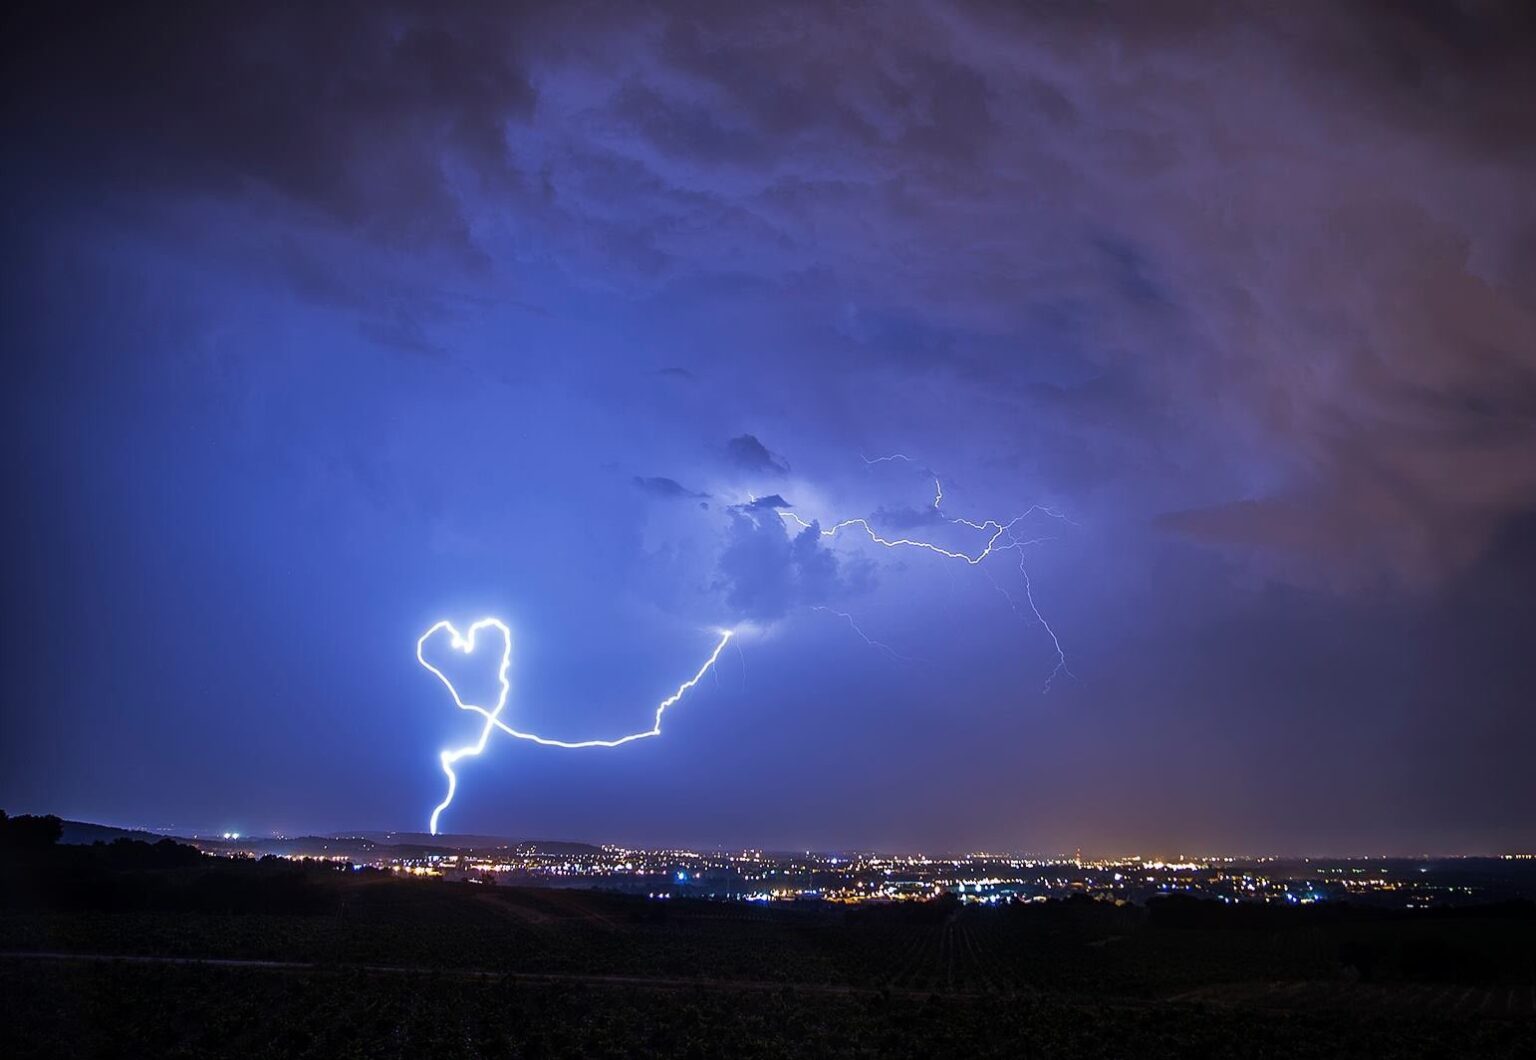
(320, 326)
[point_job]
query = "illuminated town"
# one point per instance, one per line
(868, 877)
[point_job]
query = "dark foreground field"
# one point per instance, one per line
(133, 952)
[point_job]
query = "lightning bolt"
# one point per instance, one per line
(995, 529)
(1061, 656)
(865, 637)
(1000, 538)
(466, 643)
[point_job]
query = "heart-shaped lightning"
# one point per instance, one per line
(466, 644)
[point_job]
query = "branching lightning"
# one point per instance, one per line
(1001, 537)
(996, 531)
(493, 720)
(865, 637)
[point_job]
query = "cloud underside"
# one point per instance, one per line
(1267, 270)
(752, 456)
(665, 488)
(765, 571)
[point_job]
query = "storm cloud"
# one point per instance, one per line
(1052, 213)
(767, 569)
(666, 488)
(327, 321)
(752, 456)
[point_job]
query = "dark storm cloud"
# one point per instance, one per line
(1283, 305)
(769, 503)
(1171, 199)
(335, 317)
(354, 113)
(1464, 68)
(751, 455)
(1173, 203)
(765, 571)
(666, 488)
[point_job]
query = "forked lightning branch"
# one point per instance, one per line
(1000, 536)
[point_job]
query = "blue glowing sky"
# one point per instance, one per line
(321, 328)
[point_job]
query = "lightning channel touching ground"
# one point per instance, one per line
(1000, 537)
(466, 644)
